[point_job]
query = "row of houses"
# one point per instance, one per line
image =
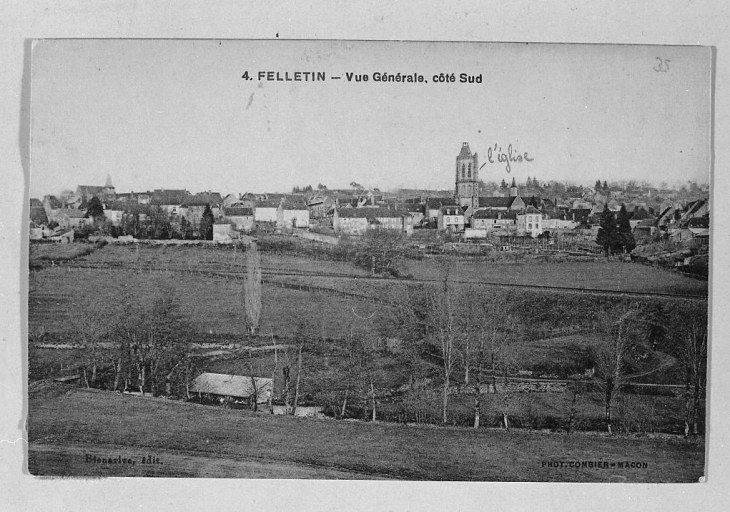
(682, 224)
(511, 216)
(357, 221)
(529, 221)
(242, 214)
(355, 211)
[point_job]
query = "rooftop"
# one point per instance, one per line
(239, 386)
(370, 213)
(238, 212)
(496, 202)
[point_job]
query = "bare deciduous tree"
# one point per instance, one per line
(285, 370)
(152, 340)
(611, 353)
(91, 323)
(306, 334)
(409, 326)
(506, 360)
(273, 373)
(363, 350)
(693, 339)
(300, 347)
(443, 329)
(485, 314)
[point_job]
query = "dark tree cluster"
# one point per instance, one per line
(615, 235)
(381, 251)
(206, 224)
(95, 210)
(601, 187)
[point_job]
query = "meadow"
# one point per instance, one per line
(67, 425)
(612, 276)
(335, 299)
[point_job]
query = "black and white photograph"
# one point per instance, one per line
(369, 260)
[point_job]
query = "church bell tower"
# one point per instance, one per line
(467, 177)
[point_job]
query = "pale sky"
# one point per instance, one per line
(177, 114)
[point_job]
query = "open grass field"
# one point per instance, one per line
(214, 302)
(213, 305)
(206, 281)
(58, 252)
(591, 275)
(66, 425)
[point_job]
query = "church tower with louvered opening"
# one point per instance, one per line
(109, 188)
(467, 177)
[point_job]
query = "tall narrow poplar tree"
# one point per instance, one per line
(252, 289)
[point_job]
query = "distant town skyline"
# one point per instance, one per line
(72, 187)
(673, 186)
(178, 114)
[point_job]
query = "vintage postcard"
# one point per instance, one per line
(369, 260)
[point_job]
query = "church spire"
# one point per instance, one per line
(465, 151)
(467, 177)
(109, 181)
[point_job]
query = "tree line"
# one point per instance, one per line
(153, 223)
(136, 345)
(466, 342)
(463, 340)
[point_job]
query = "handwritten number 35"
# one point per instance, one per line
(662, 66)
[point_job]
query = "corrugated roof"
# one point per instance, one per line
(238, 386)
(640, 213)
(53, 201)
(212, 199)
(371, 213)
(238, 212)
(496, 202)
(699, 222)
(286, 205)
(136, 209)
(435, 203)
(72, 213)
(692, 208)
(37, 213)
(647, 223)
(116, 205)
(169, 196)
(267, 204)
(494, 214)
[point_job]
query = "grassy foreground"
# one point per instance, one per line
(68, 427)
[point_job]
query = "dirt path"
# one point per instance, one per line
(89, 461)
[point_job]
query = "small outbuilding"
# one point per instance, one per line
(233, 387)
